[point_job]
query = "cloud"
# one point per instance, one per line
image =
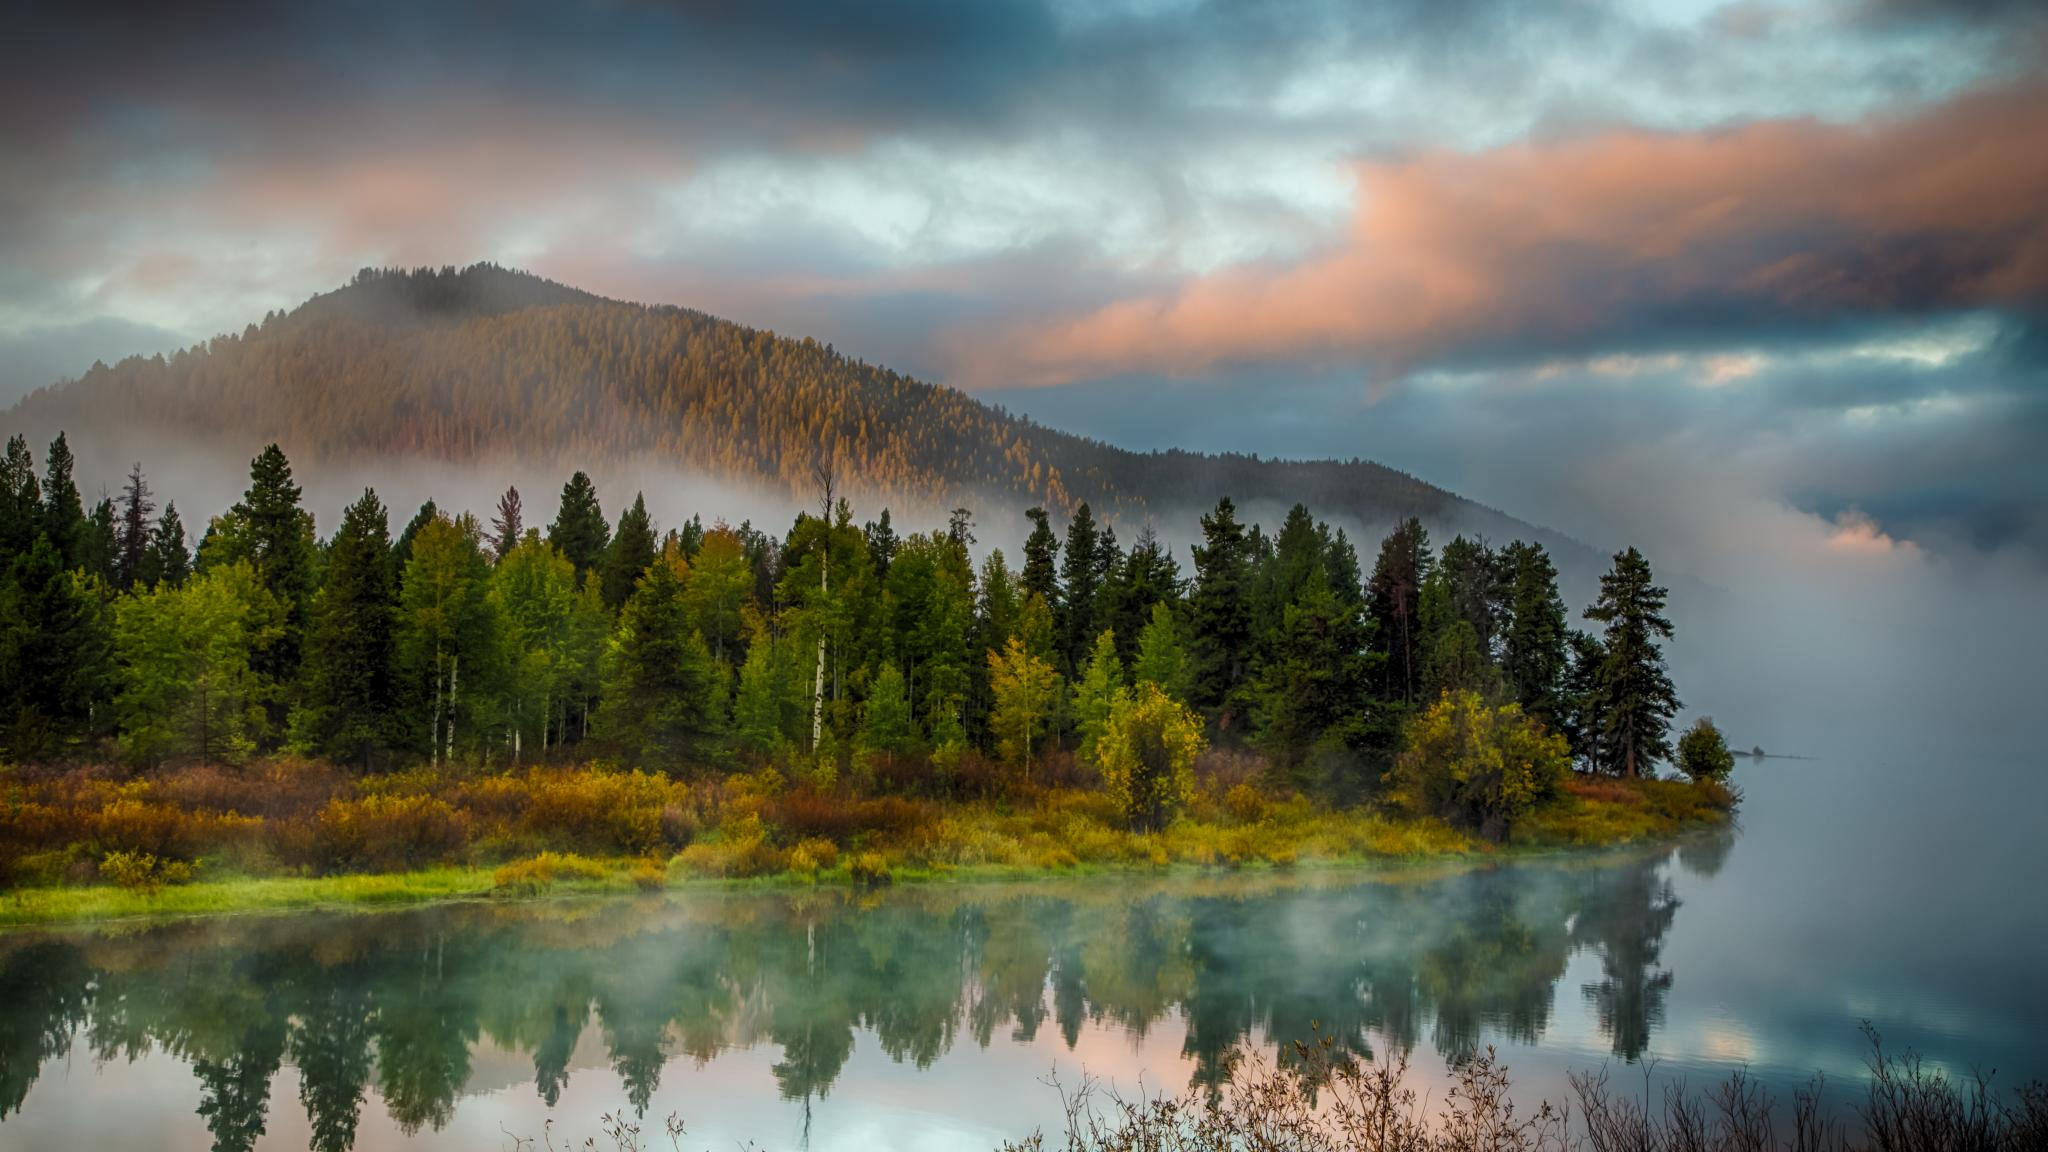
(1625, 238)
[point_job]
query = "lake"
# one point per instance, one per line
(930, 1017)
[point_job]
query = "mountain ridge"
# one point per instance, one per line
(459, 365)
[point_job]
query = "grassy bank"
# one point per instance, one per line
(201, 842)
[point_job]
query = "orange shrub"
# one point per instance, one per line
(599, 811)
(375, 833)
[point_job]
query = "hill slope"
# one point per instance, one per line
(487, 363)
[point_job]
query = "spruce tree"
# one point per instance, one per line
(885, 721)
(132, 545)
(96, 551)
(1074, 615)
(401, 549)
(349, 694)
(1636, 697)
(627, 556)
(275, 534)
(882, 543)
(55, 669)
(21, 499)
(1534, 651)
(1162, 658)
(663, 696)
(1394, 596)
(63, 513)
(508, 525)
(171, 561)
(1219, 614)
(1145, 576)
(579, 530)
(1041, 562)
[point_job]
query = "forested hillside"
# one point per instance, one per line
(486, 362)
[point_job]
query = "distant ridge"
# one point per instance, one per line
(484, 362)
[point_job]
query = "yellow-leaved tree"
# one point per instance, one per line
(1147, 755)
(1477, 766)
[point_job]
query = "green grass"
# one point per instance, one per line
(1066, 837)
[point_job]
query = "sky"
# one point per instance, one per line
(1618, 268)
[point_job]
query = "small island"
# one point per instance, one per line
(474, 708)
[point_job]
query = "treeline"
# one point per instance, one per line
(464, 365)
(831, 649)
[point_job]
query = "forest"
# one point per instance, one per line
(839, 699)
(485, 363)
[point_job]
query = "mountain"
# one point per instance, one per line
(485, 364)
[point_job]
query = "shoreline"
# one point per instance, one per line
(232, 896)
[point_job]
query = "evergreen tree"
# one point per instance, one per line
(1162, 656)
(688, 538)
(401, 549)
(882, 543)
(885, 721)
(508, 525)
(171, 560)
(721, 583)
(1478, 588)
(1311, 693)
(1395, 601)
(55, 670)
(21, 499)
(1041, 562)
(1101, 680)
(1219, 614)
(274, 533)
(96, 550)
(1636, 697)
(132, 545)
(348, 707)
(663, 696)
(579, 531)
(1579, 715)
(1074, 615)
(1457, 663)
(1534, 652)
(1142, 578)
(627, 556)
(63, 513)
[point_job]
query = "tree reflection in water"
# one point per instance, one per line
(402, 999)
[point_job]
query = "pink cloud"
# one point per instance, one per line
(1598, 238)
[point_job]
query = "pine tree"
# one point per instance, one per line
(1534, 654)
(1144, 577)
(1395, 598)
(663, 696)
(630, 552)
(401, 549)
(21, 499)
(508, 525)
(1162, 657)
(96, 552)
(1041, 562)
(1102, 678)
(882, 542)
(1478, 588)
(348, 708)
(270, 529)
(579, 531)
(63, 513)
(1219, 612)
(1579, 703)
(1636, 697)
(132, 545)
(1310, 695)
(1080, 581)
(55, 642)
(171, 561)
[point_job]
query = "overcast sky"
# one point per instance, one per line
(1579, 260)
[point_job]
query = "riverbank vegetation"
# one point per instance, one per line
(840, 701)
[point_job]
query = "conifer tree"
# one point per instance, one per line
(630, 552)
(508, 525)
(721, 583)
(1074, 615)
(1395, 599)
(54, 654)
(1219, 613)
(1040, 574)
(1636, 697)
(882, 542)
(663, 696)
(579, 531)
(1534, 652)
(96, 551)
(21, 499)
(171, 561)
(401, 549)
(270, 529)
(63, 513)
(1142, 578)
(348, 705)
(132, 545)
(1162, 656)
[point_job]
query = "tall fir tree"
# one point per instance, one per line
(63, 513)
(1080, 581)
(1144, 577)
(132, 545)
(1219, 613)
(628, 554)
(55, 655)
(579, 530)
(1040, 573)
(171, 557)
(348, 707)
(508, 525)
(97, 550)
(1394, 597)
(663, 695)
(1636, 696)
(21, 499)
(1535, 649)
(269, 528)
(401, 548)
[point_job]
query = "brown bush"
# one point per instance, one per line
(804, 814)
(597, 811)
(374, 833)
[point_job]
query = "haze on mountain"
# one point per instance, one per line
(505, 374)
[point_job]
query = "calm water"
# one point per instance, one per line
(926, 1018)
